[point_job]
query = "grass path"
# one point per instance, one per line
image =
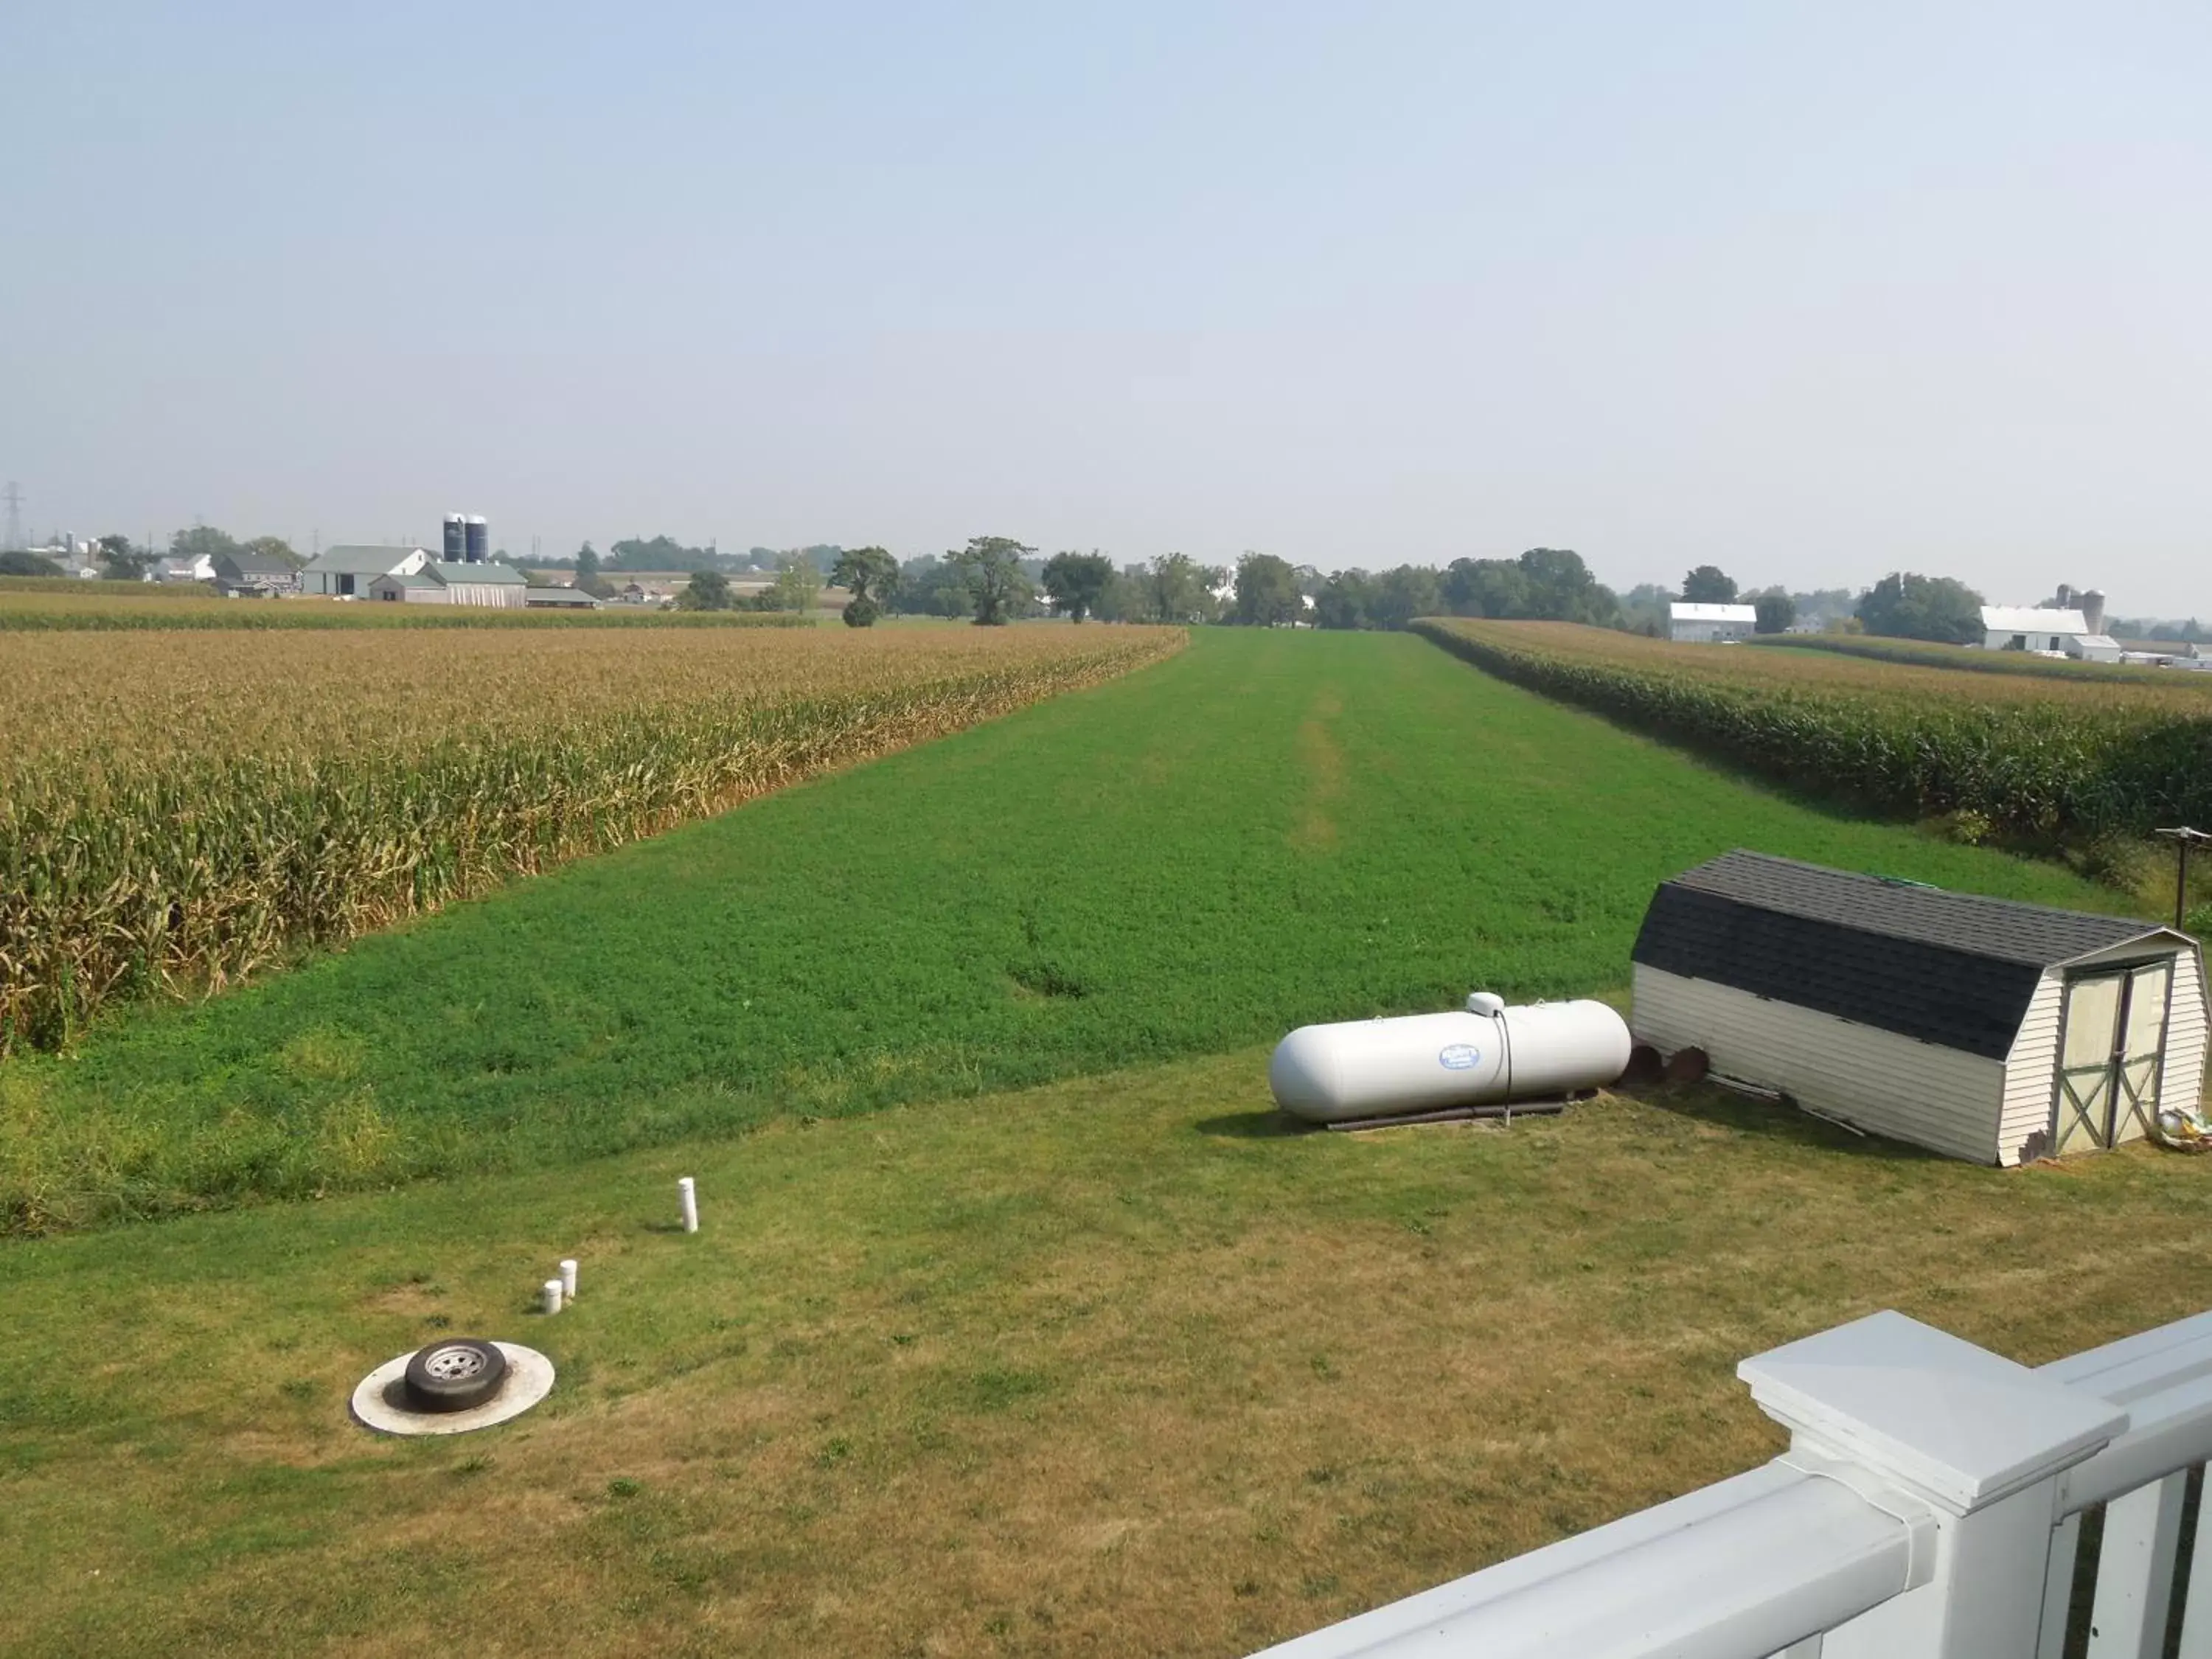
(1266, 829)
(1114, 1367)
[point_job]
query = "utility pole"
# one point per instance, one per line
(2183, 840)
(14, 497)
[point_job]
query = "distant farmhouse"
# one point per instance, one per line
(2072, 625)
(252, 575)
(1711, 624)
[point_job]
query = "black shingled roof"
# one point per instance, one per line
(1952, 969)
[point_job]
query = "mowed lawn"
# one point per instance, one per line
(1114, 1367)
(1268, 829)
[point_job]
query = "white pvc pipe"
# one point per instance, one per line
(552, 1298)
(688, 1194)
(567, 1278)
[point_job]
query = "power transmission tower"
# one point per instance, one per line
(14, 497)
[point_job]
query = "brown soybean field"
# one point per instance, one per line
(179, 808)
(2079, 766)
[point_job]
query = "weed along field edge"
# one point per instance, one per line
(1266, 829)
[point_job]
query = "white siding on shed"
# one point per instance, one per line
(1941, 1098)
(2031, 1068)
(2186, 1033)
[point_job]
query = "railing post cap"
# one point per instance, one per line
(1938, 1415)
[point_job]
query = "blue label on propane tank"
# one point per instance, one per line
(1459, 1057)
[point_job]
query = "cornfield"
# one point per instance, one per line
(1919, 653)
(180, 810)
(105, 607)
(2043, 760)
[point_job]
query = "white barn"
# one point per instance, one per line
(346, 572)
(1711, 624)
(1987, 1030)
(2047, 628)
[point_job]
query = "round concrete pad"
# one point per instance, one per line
(380, 1402)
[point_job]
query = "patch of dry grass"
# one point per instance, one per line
(1117, 1366)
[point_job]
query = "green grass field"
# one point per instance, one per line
(1116, 1367)
(1267, 829)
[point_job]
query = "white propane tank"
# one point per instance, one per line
(1427, 1062)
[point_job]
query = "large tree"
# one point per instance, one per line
(708, 590)
(201, 538)
(1708, 585)
(992, 567)
(930, 587)
(14, 563)
(1268, 594)
(122, 562)
(1346, 601)
(1127, 598)
(865, 573)
(1905, 606)
(1179, 589)
(1487, 587)
(1776, 610)
(870, 575)
(1075, 582)
(660, 553)
(1644, 609)
(587, 572)
(798, 585)
(1410, 590)
(1562, 589)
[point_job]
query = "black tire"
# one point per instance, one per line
(454, 1375)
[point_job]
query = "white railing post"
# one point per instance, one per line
(2135, 1570)
(2196, 1617)
(2059, 1587)
(1979, 1439)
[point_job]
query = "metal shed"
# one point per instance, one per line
(1988, 1030)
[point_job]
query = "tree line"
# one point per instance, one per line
(996, 579)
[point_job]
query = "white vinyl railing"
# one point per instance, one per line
(1930, 1507)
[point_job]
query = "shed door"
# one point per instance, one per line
(2142, 1051)
(2112, 1055)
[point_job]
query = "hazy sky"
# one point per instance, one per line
(1811, 291)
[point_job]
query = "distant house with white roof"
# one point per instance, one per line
(1711, 624)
